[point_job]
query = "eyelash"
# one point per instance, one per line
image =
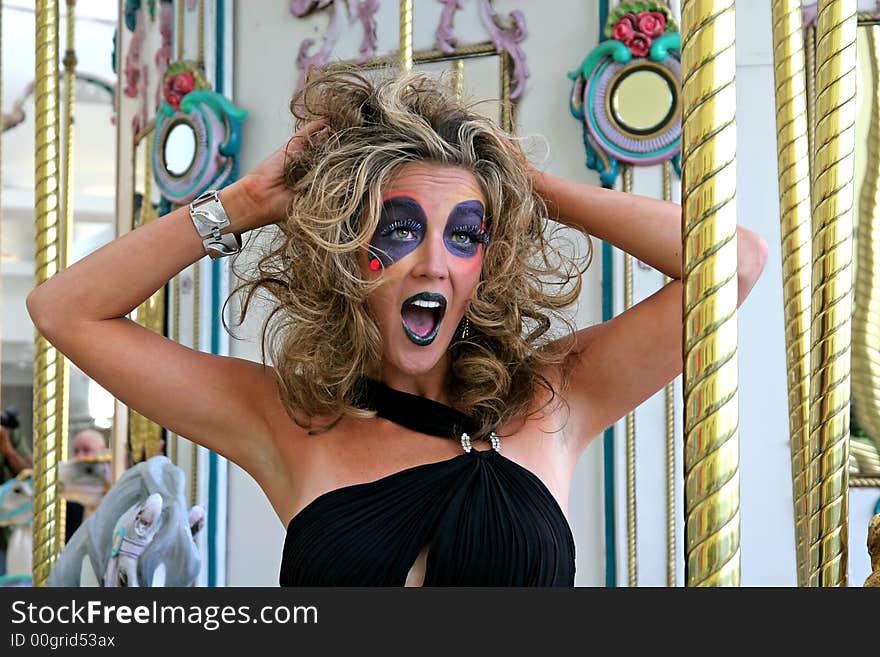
(410, 224)
(476, 235)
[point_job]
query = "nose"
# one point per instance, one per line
(432, 259)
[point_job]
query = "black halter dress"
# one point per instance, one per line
(486, 520)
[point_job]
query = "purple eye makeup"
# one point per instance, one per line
(465, 229)
(403, 225)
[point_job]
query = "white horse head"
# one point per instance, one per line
(141, 534)
(16, 510)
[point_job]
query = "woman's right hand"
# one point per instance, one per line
(265, 196)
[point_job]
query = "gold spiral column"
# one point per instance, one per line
(830, 330)
(793, 151)
(46, 257)
(406, 35)
(711, 456)
(669, 396)
(866, 315)
(67, 202)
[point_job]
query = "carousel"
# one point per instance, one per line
(115, 115)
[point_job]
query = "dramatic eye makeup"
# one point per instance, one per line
(465, 229)
(402, 227)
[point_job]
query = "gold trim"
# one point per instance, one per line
(200, 34)
(406, 35)
(67, 202)
(793, 148)
(831, 308)
(674, 114)
(179, 36)
(46, 374)
(864, 482)
(173, 438)
(197, 342)
(711, 453)
(866, 314)
(456, 81)
(631, 526)
(421, 57)
(669, 394)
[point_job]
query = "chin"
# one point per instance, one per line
(415, 360)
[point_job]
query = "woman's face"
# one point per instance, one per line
(428, 249)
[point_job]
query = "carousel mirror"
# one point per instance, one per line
(865, 423)
(644, 100)
(178, 144)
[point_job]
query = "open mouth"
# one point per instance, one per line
(422, 315)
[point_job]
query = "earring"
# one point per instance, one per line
(465, 328)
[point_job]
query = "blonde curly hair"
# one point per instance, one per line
(322, 337)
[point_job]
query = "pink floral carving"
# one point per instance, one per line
(639, 45)
(625, 27)
(651, 23)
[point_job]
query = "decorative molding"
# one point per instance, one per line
(505, 35)
(505, 38)
(642, 38)
(363, 11)
(216, 126)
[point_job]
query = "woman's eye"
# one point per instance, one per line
(462, 238)
(402, 234)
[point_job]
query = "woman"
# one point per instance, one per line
(414, 297)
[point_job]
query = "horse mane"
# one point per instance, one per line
(172, 545)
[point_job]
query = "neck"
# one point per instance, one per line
(432, 384)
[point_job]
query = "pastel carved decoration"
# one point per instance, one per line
(626, 93)
(198, 136)
(141, 534)
(16, 511)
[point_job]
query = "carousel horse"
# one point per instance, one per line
(85, 481)
(141, 534)
(16, 511)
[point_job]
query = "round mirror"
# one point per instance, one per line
(179, 149)
(642, 101)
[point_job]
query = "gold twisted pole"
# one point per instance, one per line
(830, 330)
(197, 309)
(67, 200)
(46, 374)
(631, 527)
(711, 451)
(179, 35)
(175, 335)
(866, 315)
(457, 78)
(669, 394)
(200, 32)
(793, 152)
(406, 35)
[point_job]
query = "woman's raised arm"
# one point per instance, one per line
(219, 402)
(625, 360)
